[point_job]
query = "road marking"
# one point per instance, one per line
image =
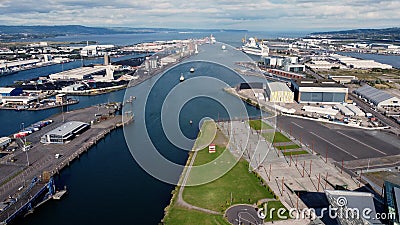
(354, 139)
(297, 125)
(334, 145)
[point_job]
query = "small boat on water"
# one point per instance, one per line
(192, 70)
(182, 78)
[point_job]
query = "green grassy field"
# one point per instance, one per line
(259, 125)
(245, 187)
(287, 147)
(276, 205)
(276, 137)
(181, 216)
(236, 186)
(206, 135)
(302, 152)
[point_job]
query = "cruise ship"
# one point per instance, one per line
(253, 48)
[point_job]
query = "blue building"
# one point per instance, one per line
(319, 91)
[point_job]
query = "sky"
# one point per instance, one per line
(261, 15)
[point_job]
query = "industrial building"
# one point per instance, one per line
(254, 85)
(354, 63)
(285, 74)
(343, 79)
(65, 132)
(6, 65)
(320, 110)
(348, 203)
(392, 201)
(273, 61)
(344, 110)
(357, 111)
(319, 91)
(18, 100)
(73, 88)
(323, 65)
(279, 92)
(61, 99)
(77, 74)
(295, 68)
(377, 97)
(5, 91)
(4, 141)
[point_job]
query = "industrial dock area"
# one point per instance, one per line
(43, 154)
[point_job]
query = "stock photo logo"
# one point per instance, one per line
(187, 102)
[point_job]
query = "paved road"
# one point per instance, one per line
(341, 143)
(180, 199)
(243, 214)
(41, 156)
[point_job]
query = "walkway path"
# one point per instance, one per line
(180, 200)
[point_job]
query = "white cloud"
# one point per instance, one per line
(240, 14)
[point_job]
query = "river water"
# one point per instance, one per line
(106, 185)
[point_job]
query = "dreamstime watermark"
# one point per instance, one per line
(337, 210)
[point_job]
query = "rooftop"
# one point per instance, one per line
(317, 83)
(278, 86)
(6, 90)
(68, 128)
(82, 71)
(374, 95)
(3, 139)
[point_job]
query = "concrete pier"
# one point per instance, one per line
(103, 119)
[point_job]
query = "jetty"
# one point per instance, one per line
(27, 181)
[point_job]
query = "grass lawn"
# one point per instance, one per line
(245, 187)
(182, 216)
(203, 157)
(287, 147)
(276, 205)
(259, 125)
(276, 137)
(206, 135)
(302, 152)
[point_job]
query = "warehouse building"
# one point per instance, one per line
(78, 73)
(350, 206)
(253, 85)
(377, 97)
(357, 111)
(18, 100)
(319, 91)
(295, 68)
(65, 132)
(4, 142)
(343, 79)
(279, 92)
(344, 110)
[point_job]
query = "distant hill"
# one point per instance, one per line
(376, 34)
(78, 29)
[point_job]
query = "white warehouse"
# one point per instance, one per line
(377, 97)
